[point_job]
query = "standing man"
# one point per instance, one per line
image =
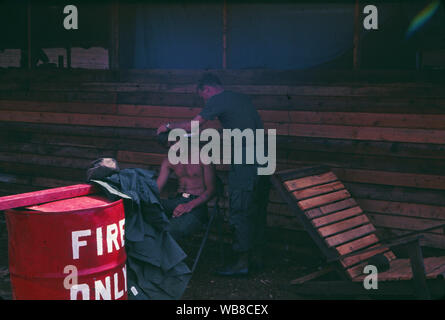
(248, 192)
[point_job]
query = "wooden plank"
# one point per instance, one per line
(391, 178)
(435, 267)
(324, 199)
(431, 240)
(344, 225)
(305, 182)
(398, 194)
(139, 157)
(81, 119)
(379, 148)
(42, 170)
(158, 111)
(330, 208)
(31, 198)
(340, 215)
(317, 190)
(107, 120)
(399, 270)
(44, 160)
(367, 119)
(60, 107)
(357, 244)
(404, 223)
(366, 162)
(368, 133)
(350, 235)
(403, 209)
(361, 78)
(352, 260)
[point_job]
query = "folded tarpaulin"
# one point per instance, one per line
(155, 262)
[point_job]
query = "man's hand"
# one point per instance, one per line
(161, 129)
(182, 208)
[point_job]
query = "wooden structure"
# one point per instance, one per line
(381, 132)
(348, 239)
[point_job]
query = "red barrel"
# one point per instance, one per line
(68, 249)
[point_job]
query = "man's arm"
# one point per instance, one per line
(186, 125)
(163, 174)
(210, 185)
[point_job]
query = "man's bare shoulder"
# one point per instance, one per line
(166, 163)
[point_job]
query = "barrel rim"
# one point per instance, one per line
(36, 212)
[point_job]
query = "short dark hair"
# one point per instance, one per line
(163, 139)
(208, 79)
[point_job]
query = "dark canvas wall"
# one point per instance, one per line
(263, 34)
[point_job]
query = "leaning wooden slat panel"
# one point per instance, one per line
(324, 199)
(305, 182)
(368, 133)
(340, 215)
(357, 244)
(344, 225)
(317, 190)
(350, 235)
(330, 208)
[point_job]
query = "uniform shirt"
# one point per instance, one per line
(234, 110)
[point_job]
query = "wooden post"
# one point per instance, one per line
(224, 53)
(356, 57)
(113, 53)
(29, 52)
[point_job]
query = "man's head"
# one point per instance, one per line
(208, 86)
(163, 139)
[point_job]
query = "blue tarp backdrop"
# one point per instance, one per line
(269, 36)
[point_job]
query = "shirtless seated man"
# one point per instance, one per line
(196, 186)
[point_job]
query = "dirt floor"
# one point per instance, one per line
(272, 282)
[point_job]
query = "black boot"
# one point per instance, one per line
(237, 269)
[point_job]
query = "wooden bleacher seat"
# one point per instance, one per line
(346, 236)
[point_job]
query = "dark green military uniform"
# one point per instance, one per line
(248, 192)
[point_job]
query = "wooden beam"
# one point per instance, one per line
(224, 53)
(29, 51)
(356, 53)
(114, 36)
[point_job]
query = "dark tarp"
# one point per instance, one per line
(155, 262)
(272, 35)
